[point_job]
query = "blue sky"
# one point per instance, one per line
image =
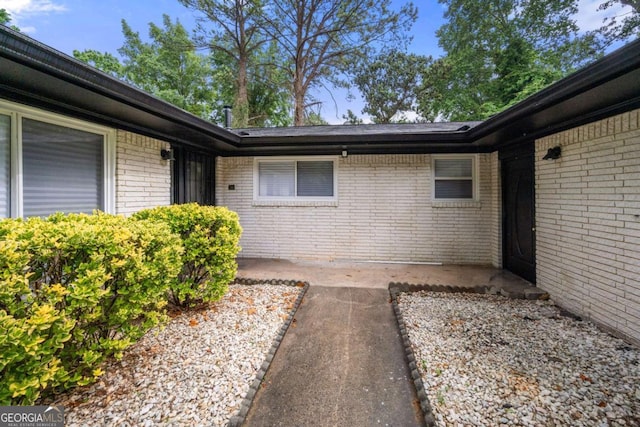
(86, 24)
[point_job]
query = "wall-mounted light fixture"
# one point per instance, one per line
(167, 154)
(344, 153)
(553, 153)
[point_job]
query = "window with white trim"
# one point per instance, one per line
(5, 166)
(295, 179)
(454, 177)
(51, 163)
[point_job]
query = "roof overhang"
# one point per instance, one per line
(35, 74)
(607, 87)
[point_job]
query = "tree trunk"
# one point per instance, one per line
(298, 109)
(299, 93)
(241, 103)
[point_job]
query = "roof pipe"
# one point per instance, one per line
(227, 116)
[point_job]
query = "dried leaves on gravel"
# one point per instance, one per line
(490, 361)
(194, 371)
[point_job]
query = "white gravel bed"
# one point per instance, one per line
(193, 372)
(490, 361)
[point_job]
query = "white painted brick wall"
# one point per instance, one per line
(588, 221)
(384, 213)
(143, 179)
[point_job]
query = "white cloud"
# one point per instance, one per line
(24, 7)
(21, 10)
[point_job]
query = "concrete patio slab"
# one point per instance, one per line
(377, 275)
(342, 361)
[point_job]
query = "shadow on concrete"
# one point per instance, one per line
(342, 362)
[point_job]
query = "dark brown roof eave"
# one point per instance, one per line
(35, 74)
(606, 87)
(38, 75)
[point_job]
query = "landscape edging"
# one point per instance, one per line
(238, 419)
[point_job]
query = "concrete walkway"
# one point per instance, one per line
(342, 362)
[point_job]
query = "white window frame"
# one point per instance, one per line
(473, 178)
(17, 112)
(295, 160)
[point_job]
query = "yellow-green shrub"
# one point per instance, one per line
(74, 290)
(210, 236)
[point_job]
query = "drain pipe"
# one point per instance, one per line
(227, 116)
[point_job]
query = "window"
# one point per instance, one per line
(454, 177)
(5, 166)
(295, 179)
(50, 163)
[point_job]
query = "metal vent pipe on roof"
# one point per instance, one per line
(227, 116)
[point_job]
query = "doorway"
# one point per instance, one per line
(518, 212)
(193, 177)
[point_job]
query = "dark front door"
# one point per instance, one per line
(518, 215)
(193, 177)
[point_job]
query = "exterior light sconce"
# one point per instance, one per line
(344, 153)
(553, 153)
(167, 155)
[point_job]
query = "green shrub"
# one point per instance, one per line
(75, 290)
(210, 237)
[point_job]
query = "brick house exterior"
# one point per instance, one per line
(384, 212)
(584, 207)
(143, 179)
(588, 221)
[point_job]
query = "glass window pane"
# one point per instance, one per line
(315, 179)
(62, 169)
(5, 166)
(454, 189)
(453, 168)
(195, 181)
(277, 179)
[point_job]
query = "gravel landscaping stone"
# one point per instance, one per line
(196, 371)
(486, 360)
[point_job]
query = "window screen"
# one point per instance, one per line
(5, 166)
(63, 169)
(277, 179)
(291, 178)
(453, 178)
(315, 179)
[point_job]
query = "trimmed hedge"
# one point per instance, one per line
(210, 236)
(75, 290)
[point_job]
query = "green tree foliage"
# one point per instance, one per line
(388, 84)
(169, 67)
(351, 119)
(322, 39)
(231, 30)
(622, 27)
(313, 118)
(269, 89)
(5, 19)
(103, 61)
(500, 51)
